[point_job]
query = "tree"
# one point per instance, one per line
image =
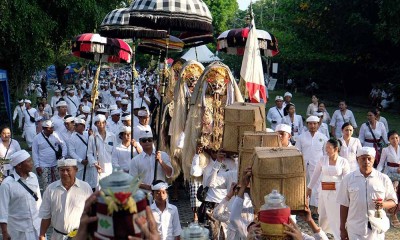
(223, 13)
(24, 31)
(73, 17)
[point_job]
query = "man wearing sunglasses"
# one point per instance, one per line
(144, 163)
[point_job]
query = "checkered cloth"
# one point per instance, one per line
(193, 186)
(174, 14)
(116, 17)
(116, 25)
(197, 7)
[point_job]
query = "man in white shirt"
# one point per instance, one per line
(360, 193)
(58, 117)
(63, 202)
(121, 155)
(287, 99)
(125, 108)
(100, 147)
(144, 163)
(215, 177)
(85, 102)
(29, 124)
(55, 99)
(19, 112)
(77, 149)
(47, 148)
(142, 100)
(113, 123)
(126, 120)
(339, 117)
(143, 124)
(165, 214)
(73, 102)
(88, 88)
(311, 144)
(66, 132)
(19, 209)
(284, 132)
(275, 114)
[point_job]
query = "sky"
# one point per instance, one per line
(243, 4)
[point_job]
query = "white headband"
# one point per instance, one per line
(159, 186)
(66, 162)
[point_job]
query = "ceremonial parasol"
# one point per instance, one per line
(234, 41)
(195, 39)
(94, 47)
(116, 24)
(181, 15)
(160, 46)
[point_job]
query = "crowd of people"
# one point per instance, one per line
(331, 152)
(74, 145)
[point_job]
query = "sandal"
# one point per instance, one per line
(395, 222)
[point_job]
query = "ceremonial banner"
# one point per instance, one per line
(252, 70)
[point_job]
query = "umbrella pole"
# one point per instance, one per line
(94, 97)
(195, 51)
(133, 89)
(162, 94)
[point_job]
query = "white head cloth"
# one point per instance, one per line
(160, 186)
(312, 119)
(18, 157)
(366, 151)
(284, 128)
(69, 162)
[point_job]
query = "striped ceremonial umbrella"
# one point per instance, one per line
(234, 41)
(161, 46)
(94, 47)
(181, 15)
(195, 39)
(116, 25)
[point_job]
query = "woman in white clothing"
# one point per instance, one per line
(390, 165)
(313, 106)
(373, 134)
(293, 120)
(321, 108)
(350, 146)
(330, 169)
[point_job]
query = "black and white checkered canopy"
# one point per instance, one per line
(116, 25)
(181, 15)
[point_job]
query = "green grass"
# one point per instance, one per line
(360, 113)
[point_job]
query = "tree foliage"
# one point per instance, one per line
(336, 43)
(223, 12)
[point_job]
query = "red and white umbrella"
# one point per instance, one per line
(94, 47)
(234, 41)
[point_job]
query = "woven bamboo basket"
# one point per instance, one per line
(241, 117)
(254, 139)
(282, 169)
